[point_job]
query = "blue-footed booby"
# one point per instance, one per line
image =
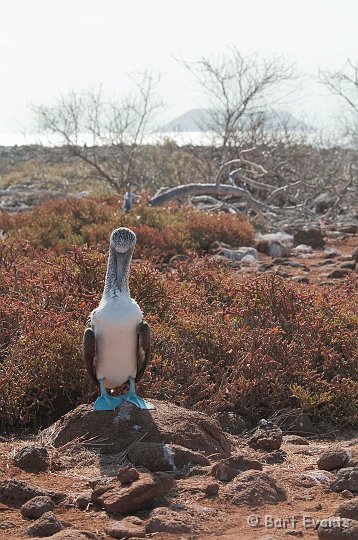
(116, 345)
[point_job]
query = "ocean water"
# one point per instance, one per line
(180, 138)
(197, 138)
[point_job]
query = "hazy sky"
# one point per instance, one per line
(48, 47)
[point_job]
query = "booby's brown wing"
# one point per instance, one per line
(89, 353)
(144, 348)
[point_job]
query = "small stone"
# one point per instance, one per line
(337, 528)
(140, 495)
(46, 525)
(32, 459)
(302, 249)
(164, 519)
(248, 260)
(301, 279)
(83, 499)
(330, 253)
(272, 248)
(74, 534)
(126, 528)
(349, 265)
(16, 493)
(275, 457)
(347, 478)
(339, 273)
(227, 469)
(326, 262)
(296, 439)
(36, 507)
(267, 436)
(153, 456)
(313, 478)
(355, 254)
(7, 525)
(296, 423)
(349, 228)
(333, 459)
(231, 422)
(348, 509)
(184, 457)
(254, 488)
(179, 259)
(211, 489)
(310, 236)
(127, 475)
(237, 254)
(347, 494)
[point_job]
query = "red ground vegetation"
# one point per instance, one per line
(221, 341)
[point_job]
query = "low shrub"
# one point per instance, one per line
(220, 341)
(161, 232)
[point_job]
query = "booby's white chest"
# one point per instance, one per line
(115, 324)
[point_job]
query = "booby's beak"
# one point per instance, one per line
(121, 261)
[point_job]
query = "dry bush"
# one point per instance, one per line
(161, 232)
(221, 341)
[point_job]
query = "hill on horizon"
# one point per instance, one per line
(199, 119)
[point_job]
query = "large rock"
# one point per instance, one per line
(346, 479)
(47, 525)
(254, 488)
(168, 424)
(336, 528)
(32, 458)
(142, 494)
(310, 236)
(36, 507)
(16, 493)
(333, 459)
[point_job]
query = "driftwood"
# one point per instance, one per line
(221, 190)
(257, 191)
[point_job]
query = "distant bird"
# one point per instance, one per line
(116, 345)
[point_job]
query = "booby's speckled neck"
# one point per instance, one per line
(117, 276)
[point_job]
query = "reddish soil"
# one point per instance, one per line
(217, 519)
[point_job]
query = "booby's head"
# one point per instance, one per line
(122, 240)
(121, 246)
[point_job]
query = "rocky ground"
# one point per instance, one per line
(312, 254)
(174, 473)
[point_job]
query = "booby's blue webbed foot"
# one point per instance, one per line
(132, 397)
(105, 402)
